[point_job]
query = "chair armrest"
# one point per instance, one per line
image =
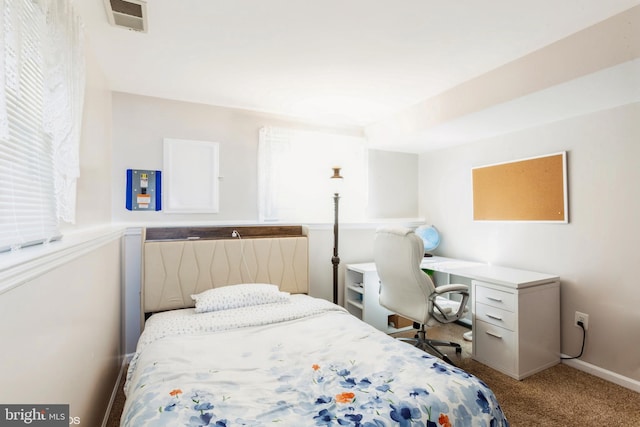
(440, 313)
(452, 288)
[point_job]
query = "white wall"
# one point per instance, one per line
(392, 174)
(595, 254)
(140, 124)
(60, 336)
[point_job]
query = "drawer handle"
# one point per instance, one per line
(493, 316)
(495, 299)
(493, 334)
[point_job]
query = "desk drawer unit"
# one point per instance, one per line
(516, 330)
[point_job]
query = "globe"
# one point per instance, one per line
(430, 237)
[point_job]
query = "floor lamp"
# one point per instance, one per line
(336, 184)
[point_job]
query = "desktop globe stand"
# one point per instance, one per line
(431, 238)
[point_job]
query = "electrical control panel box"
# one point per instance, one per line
(144, 190)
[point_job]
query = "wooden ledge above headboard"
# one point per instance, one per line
(219, 233)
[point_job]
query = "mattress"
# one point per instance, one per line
(304, 362)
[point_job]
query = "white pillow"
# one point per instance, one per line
(235, 296)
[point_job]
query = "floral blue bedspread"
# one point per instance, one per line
(322, 368)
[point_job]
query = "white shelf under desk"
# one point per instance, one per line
(362, 287)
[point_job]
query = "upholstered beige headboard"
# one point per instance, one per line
(182, 261)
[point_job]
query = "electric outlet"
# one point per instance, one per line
(581, 317)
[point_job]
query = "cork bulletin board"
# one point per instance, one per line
(532, 189)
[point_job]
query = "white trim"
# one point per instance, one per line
(27, 264)
(372, 223)
(114, 392)
(605, 374)
(133, 231)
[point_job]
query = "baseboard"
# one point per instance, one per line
(123, 370)
(599, 372)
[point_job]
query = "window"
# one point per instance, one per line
(41, 96)
(294, 168)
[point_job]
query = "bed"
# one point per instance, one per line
(254, 350)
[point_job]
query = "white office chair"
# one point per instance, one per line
(408, 291)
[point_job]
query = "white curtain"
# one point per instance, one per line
(64, 77)
(294, 170)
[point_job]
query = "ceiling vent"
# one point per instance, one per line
(130, 14)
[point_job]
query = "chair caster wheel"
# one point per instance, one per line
(458, 350)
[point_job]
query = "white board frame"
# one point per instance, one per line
(191, 176)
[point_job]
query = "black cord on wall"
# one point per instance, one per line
(584, 336)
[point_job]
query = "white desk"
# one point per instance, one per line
(515, 313)
(503, 276)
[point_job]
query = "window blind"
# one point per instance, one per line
(27, 195)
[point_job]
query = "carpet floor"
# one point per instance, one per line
(560, 396)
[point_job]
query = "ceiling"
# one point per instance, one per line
(331, 62)
(602, 90)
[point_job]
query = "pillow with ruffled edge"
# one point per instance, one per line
(236, 296)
